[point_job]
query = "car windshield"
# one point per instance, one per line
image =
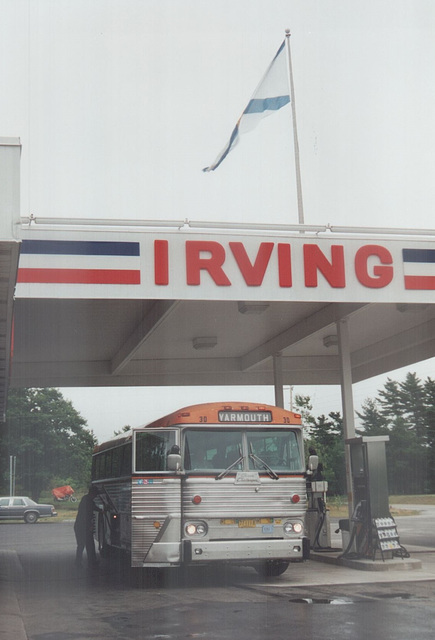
(261, 449)
(30, 502)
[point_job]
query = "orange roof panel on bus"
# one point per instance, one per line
(208, 413)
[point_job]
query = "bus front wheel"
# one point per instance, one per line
(272, 568)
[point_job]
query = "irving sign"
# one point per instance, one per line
(182, 265)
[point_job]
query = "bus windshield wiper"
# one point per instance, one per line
(232, 465)
(264, 465)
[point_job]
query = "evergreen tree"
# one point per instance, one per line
(405, 411)
(429, 394)
(372, 421)
(304, 407)
(327, 439)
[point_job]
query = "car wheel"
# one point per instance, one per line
(31, 517)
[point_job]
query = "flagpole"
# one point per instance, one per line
(295, 132)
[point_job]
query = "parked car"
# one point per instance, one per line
(17, 507)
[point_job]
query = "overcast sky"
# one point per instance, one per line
(119, 104)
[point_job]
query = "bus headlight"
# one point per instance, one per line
(295, 528)
(196, 529)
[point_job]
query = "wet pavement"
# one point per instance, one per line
(43, 596)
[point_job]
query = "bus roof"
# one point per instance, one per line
(213, 411)
(116, 441)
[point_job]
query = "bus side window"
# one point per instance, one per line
(107, 464)
(125, 469)
(116, 462)
(152, 449)
(97, 470)
(94, 468)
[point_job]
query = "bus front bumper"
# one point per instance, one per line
(294, 550)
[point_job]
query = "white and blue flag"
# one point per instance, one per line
(271, 94)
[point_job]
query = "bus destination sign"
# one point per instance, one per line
(245, 416)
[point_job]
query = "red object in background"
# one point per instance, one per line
(60, 492)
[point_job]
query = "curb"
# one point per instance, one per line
(11, 621)
(365, 564)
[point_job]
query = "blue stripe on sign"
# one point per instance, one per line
(418, 255)
(259, 105)
(79, 248)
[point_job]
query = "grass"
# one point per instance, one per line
(424, 499)
(65, 511)
(65, 514)
(338, 505)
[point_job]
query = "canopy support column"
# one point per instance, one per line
(277, 380)
(347, 401)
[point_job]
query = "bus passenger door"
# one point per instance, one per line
(155, 500)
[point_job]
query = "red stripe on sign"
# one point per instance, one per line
(420, 282)
(78, 276)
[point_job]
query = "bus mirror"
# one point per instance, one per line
(313, 463)
(174, 462)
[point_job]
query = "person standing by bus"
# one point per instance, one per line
(83, 529)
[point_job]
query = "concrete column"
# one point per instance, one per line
(10, 151)
(347, 401)
(277, 379)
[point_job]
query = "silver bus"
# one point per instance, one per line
(210, 483)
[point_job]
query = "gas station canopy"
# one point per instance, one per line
(106, 303)
(182, 307)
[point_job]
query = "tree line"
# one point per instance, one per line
(53, 445)
(50, 440)
(402, 410)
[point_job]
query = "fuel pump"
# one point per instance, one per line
(370, 494)
(317, 517)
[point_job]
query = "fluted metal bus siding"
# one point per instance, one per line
(152, 502)
(225, 499)
(119, 494)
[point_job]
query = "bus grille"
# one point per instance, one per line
(224, 498)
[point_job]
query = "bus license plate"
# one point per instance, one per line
(247, 524)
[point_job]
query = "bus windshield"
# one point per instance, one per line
(211, 449)
(278, 449)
